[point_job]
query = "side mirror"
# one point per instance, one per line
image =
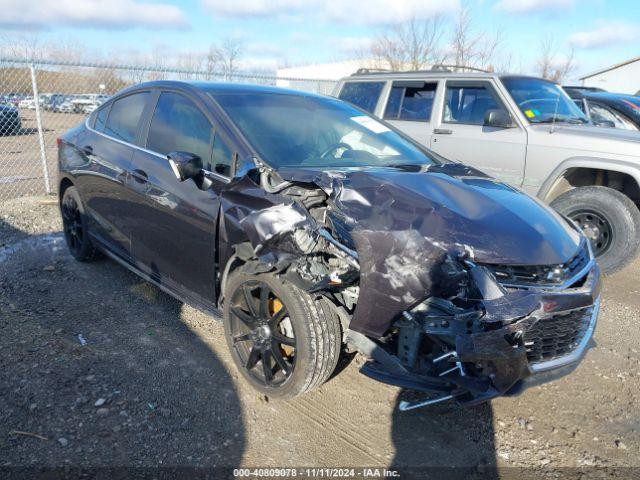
(498, 118)
(185, 165)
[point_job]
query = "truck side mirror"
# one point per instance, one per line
(498, 118)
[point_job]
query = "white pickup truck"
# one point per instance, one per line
(525, 131)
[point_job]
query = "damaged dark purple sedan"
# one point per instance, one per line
(316, 229)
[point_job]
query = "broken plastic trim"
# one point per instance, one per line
(405, 406)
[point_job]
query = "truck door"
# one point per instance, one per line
(459, 132)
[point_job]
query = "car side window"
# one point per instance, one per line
(599, 113)
(408, 102)
(179, 125)
(362, 94)
(222, 160)
(124, 116)
(468, 104)
(101, 118)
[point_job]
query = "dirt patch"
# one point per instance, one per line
(99, 368)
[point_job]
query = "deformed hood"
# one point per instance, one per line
(412, 226)
(452, 206)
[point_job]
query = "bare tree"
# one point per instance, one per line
(64, 50)
(471, 48)
(224, 58)
(27, 46)
(552, 66)
(461, 42)
(189, 61)
(412, 45)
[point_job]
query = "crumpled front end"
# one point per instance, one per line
(521, 333)
(448, 281)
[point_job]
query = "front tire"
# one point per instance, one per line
(609, 219)
(74, 224)
(284, 341)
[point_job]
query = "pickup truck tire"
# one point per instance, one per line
(301, 348)
(609, 219)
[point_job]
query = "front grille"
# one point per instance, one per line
(556, 336)
(541, 275)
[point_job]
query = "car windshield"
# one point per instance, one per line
(542, 101)
(307, 131)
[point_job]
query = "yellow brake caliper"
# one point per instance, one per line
(274, 306)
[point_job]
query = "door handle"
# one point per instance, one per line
(442, 131)
(140, 176)
(87, 150)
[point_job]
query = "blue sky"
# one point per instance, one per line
(303, 31)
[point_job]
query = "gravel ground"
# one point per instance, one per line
(100, 369)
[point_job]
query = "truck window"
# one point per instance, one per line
(362, 94)
(410, 102)
(468, 104)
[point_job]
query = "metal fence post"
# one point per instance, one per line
(43, 155)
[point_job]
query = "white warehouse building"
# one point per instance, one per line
(621, 78)
(326, 74)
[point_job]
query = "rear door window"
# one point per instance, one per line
(124, 116)
(468, 104)
(362, 94)
(101, 118)
(410, 101)
(179, 125)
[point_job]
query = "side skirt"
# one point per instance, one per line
(168, 287)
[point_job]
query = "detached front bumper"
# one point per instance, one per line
(548, 333)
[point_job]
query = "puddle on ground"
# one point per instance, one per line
(52, 243)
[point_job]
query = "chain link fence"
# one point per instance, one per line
(40, 100)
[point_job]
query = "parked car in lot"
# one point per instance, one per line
(90, 107)
(608, 109)
(310, 224)
(78, 104)
(51, 100)
(27, 103)
(10, 123)
(12, 98)
(65, 106)
(525, 131)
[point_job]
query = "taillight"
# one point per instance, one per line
(59, 142)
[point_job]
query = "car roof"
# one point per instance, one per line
(219, 88)
(609, 96)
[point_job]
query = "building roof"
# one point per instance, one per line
(612, 67)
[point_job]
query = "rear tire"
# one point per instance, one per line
(74, 222)
(609, 219)
(310, 328)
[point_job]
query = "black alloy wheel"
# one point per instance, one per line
(262, 334)
(284, 341)
(75, 227)
(74, 232)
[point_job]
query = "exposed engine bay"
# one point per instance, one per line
(429, 289)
